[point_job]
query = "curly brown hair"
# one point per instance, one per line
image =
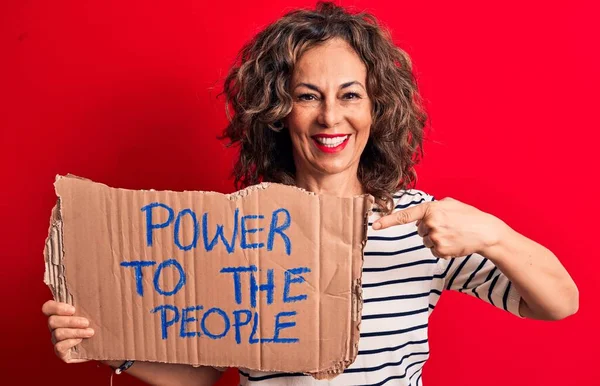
(257, 89)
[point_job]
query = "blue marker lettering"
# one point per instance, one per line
(274, 228)
(289, 280)
(269, 287)
(230, 246)
(239, 323)
(237, 284)
(164, 323)
(280, 326)
(225, 320)
(137, 266)
(252, 339)
(150, 226)
(180, 283)
(176, 235)
(185, 320)
(244, 242)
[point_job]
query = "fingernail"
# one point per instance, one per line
(89, 331)
(376, 225)
(70, 309)
(84, 322)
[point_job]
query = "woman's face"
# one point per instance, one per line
(330, 119)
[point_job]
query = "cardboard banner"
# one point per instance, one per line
(267, 278)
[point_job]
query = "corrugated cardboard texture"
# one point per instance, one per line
(184, 307)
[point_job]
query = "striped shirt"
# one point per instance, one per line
(402, 282)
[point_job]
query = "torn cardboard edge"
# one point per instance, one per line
(54, 275)
(56, 253)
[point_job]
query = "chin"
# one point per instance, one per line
(332, 169)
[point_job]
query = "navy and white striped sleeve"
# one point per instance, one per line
(477, 276)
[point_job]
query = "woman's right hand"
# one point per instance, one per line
(67, 330)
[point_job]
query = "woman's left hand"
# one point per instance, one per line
(449, 227)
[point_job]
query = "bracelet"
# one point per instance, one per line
(124, 367)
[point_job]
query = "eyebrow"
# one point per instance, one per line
(315, 88)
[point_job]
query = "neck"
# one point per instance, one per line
(339, 185)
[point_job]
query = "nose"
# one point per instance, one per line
(330, 114)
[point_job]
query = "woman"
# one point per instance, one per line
(324, 100)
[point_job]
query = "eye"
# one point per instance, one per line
(351, 95)
(307, 97)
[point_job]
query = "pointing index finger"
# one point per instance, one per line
(405, 216)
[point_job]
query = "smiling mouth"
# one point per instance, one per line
(330, 143)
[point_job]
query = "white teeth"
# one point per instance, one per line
(331, 142)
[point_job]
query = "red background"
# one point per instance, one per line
(125, 93)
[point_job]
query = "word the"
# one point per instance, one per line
(269, 286)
